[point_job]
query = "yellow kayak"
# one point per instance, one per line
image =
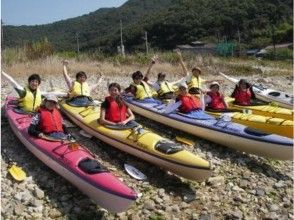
(141, 143)
(265, 110)
(263, 123)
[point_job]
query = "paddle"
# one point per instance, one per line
(185, 141)
(17, 172)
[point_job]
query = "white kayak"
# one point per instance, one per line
(268, 95)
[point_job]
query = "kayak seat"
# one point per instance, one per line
(91, 166)
(255, 132)
(80, 101)
(19, 110)
(168, 147)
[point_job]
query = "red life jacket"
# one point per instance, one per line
(50, 121)
(189, 103)
(243, 97)
(114, 112)
(216, 101)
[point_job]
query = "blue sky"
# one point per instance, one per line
(31, 12)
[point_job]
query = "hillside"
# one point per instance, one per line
(168, 22)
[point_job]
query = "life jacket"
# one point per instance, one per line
(50, 121)
(79, 89)
(189, 103)
(114, 112)
(31, 102)
(165, 87)
(216, 101)
(143, 91)
(243, 97)
(196, 82)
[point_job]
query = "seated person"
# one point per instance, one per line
(243, 93)
(141, 90)
(194, 79)
(215, 99)
(189, 102)
(30, 97)
(48, 121)
(79, 90)
(164, 89)
(114, 110)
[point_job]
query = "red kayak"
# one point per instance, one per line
(73, 162)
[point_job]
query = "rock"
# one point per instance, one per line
(134, 217)
(205, 217)
(273, 208)
(189, 197)
(260, 192)
(195, 216)
(149, 205)
(161, 192)
(244, 183)
(36, 202)
(166, 199)
(19, 208)
(247, 175)
(237, 188)
(39, 193)
(271, 216)
(157, 200)
(216, 181)
(175, 208)
(279, 184)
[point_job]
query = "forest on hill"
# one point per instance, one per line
(252, 23)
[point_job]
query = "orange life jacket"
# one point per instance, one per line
(50, 121)
(189, 103)
(243, 97)
(216, 101)
(114, 112)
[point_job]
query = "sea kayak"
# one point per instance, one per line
(263, 93)
(263, 109)
(267, 124)
(141, 143)
(221, 131)
(69, 160)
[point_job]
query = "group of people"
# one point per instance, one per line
(188, 90)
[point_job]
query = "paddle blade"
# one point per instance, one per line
(185, 141)
(17, 173)
(134, 172)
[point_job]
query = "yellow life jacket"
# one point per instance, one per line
(165, 87)
(30, 102)
(143, 91)
(79, 89)
(196, 82)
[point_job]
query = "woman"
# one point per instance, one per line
(114, 111)
(79, 90)
(30, 96)
(243, 93)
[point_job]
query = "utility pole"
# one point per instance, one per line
(146, 42)
(78, 46)
(122, 48)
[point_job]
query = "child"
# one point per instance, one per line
(189, 102)
(215, 99)
(243, 93)
(48, 121)
(114, 111)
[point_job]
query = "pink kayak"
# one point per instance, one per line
(67, 158)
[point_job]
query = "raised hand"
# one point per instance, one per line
(65, 62)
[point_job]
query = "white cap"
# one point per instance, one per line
(214, 83)
(183, 84)
(51, 97)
